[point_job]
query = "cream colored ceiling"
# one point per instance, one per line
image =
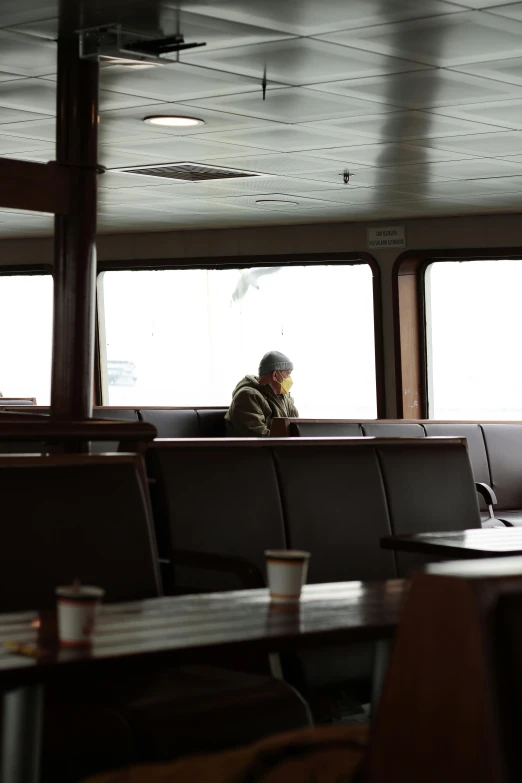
(420, 100)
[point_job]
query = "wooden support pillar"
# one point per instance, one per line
(75, 235)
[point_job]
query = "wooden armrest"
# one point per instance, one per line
(247, 572)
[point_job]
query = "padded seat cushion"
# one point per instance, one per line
(172, 423)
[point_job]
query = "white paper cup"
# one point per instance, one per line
(286, 573)
(77, 607)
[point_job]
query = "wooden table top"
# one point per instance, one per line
(181, 627)
(480, 542)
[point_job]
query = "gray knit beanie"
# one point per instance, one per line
(274, 360)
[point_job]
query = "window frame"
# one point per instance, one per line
(247, 262)
(410, 325)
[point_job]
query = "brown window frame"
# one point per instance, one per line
(245, 262)
(409, 319)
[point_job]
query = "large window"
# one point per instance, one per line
(26, 318)
(474, 327)
(187, 337)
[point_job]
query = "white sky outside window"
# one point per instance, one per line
(189, 336)
(474, 323)
(26, 322)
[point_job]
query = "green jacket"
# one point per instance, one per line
(253, 407)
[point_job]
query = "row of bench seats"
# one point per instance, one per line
(170, 422)
(495, 449)
(335, 498)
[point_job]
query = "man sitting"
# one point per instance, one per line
(257, 400)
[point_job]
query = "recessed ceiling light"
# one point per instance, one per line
(173, 121)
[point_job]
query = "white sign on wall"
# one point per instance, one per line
(387, 236)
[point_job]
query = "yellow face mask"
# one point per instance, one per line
(285, 383)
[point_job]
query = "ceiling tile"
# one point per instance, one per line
(509, 70)
(35, 95)
(25, 55)
(172, 191)
(360, 195)
(198, 206)
(488, 145)
(388, 154)
(8, 115)
(276, 163)
(404, 125)
(10, 144)
(109, 101)
(511, 11)
(43, 154)
(441, 41)
(43, 128)
(176, 149)
(503, 113)
(514, 158)
(308, 17)
(293, 104)
(423, 89)
(43, 28)
(465, 188)
(174, 82)
(22, 11)
(475, 168)
(300, 61)
(284, 138)
(490, 5)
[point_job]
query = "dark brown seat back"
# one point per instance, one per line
(504, 449)
(325, 429)
(212, 422)
(379, 429)
(428, 489)
(476, 448)
(172, 423)
(335, 508)
(67, 517)
(215, 498)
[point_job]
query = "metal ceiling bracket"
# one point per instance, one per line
(112, 43)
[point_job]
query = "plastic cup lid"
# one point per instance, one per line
(80, 592)
(286, 554)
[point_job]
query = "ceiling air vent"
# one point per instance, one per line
(188, 172)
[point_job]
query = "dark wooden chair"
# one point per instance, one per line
(451, 709)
